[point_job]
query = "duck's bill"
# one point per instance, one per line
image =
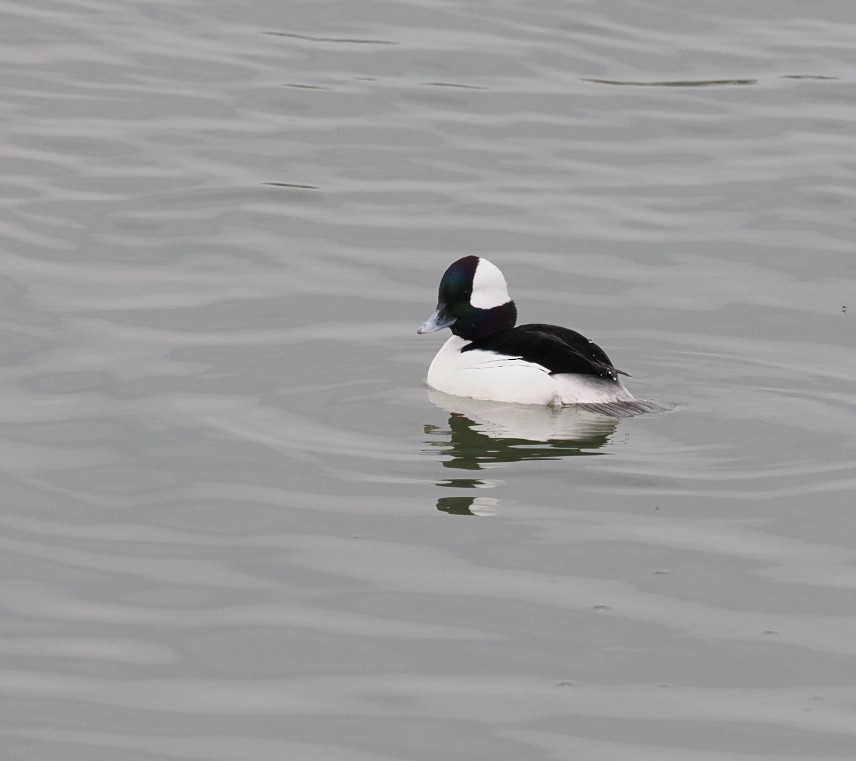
(436, 321)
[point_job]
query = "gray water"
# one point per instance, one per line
(235, 525)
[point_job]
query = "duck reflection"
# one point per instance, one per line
(483, 435)
(467, 505)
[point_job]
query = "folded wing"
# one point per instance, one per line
(559, 350)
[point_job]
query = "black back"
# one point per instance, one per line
(560, 350)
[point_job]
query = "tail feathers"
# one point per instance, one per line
(626, 409)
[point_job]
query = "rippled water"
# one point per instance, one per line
(235, 524)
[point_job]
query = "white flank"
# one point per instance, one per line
(489, 376)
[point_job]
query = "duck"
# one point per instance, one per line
(489, 357)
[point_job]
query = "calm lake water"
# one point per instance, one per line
(235, 524)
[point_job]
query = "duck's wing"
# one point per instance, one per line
(559, 350)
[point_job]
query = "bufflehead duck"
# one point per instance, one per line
(488, 358)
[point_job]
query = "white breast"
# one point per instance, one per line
(490, 376)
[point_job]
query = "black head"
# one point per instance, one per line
(473, 301)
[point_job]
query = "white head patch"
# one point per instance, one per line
(489, 287)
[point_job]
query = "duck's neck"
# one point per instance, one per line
(478, 323)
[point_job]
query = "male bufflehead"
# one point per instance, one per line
(488, 358)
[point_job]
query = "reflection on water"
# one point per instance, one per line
(482, 432)
(483, 435)
(481, 506)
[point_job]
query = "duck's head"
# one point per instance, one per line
(473, 301)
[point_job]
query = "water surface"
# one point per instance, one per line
(234, 522)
